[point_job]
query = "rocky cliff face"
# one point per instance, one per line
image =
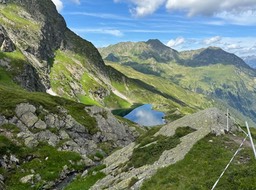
(39, 31)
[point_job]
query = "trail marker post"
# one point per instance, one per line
(227, 121)
(250, 136)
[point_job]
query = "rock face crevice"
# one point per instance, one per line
(204, 122)
(6, 44)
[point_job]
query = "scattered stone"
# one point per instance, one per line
(24, 108)
(31, 142)
(49, 137)
(64, 135)
(14, 159)
(29, 119)
(22, 127)
(40, 124)
(3, 120)
(27, 179)
(84, 173)
(50, 120)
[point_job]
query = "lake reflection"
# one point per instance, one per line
(144, 115)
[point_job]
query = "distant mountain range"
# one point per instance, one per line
(211, 71)
(250, 60)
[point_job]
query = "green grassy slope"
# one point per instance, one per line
(204, 163)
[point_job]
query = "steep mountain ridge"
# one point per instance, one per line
(39, 31)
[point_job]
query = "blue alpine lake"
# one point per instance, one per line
(145, 116)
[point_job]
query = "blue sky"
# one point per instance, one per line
(180, 24)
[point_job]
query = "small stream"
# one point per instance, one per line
(61, 185)
(145, 116)
(65, 182)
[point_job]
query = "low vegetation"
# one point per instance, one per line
(93, 175)
(204, 163)
(44, 161)
(10, 97)
(16, 20)
(151, 147)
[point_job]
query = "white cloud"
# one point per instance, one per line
(240, 18)
(175, 42)
(212, 40)
(113, 32)
(241, 12)
(58, 4)
(233, 47)
(232, 11)
(145, 7)
(210, 7)
(76, 1)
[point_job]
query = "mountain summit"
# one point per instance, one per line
(212, 55)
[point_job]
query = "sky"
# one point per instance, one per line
(179, 24)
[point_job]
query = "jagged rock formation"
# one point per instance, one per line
(208, 121)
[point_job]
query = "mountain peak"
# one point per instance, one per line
(213, 48)
(156, 44)
(215, 55)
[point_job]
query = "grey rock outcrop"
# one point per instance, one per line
(63, 130)
(212, 119)
(110, 128)
(207, 121)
